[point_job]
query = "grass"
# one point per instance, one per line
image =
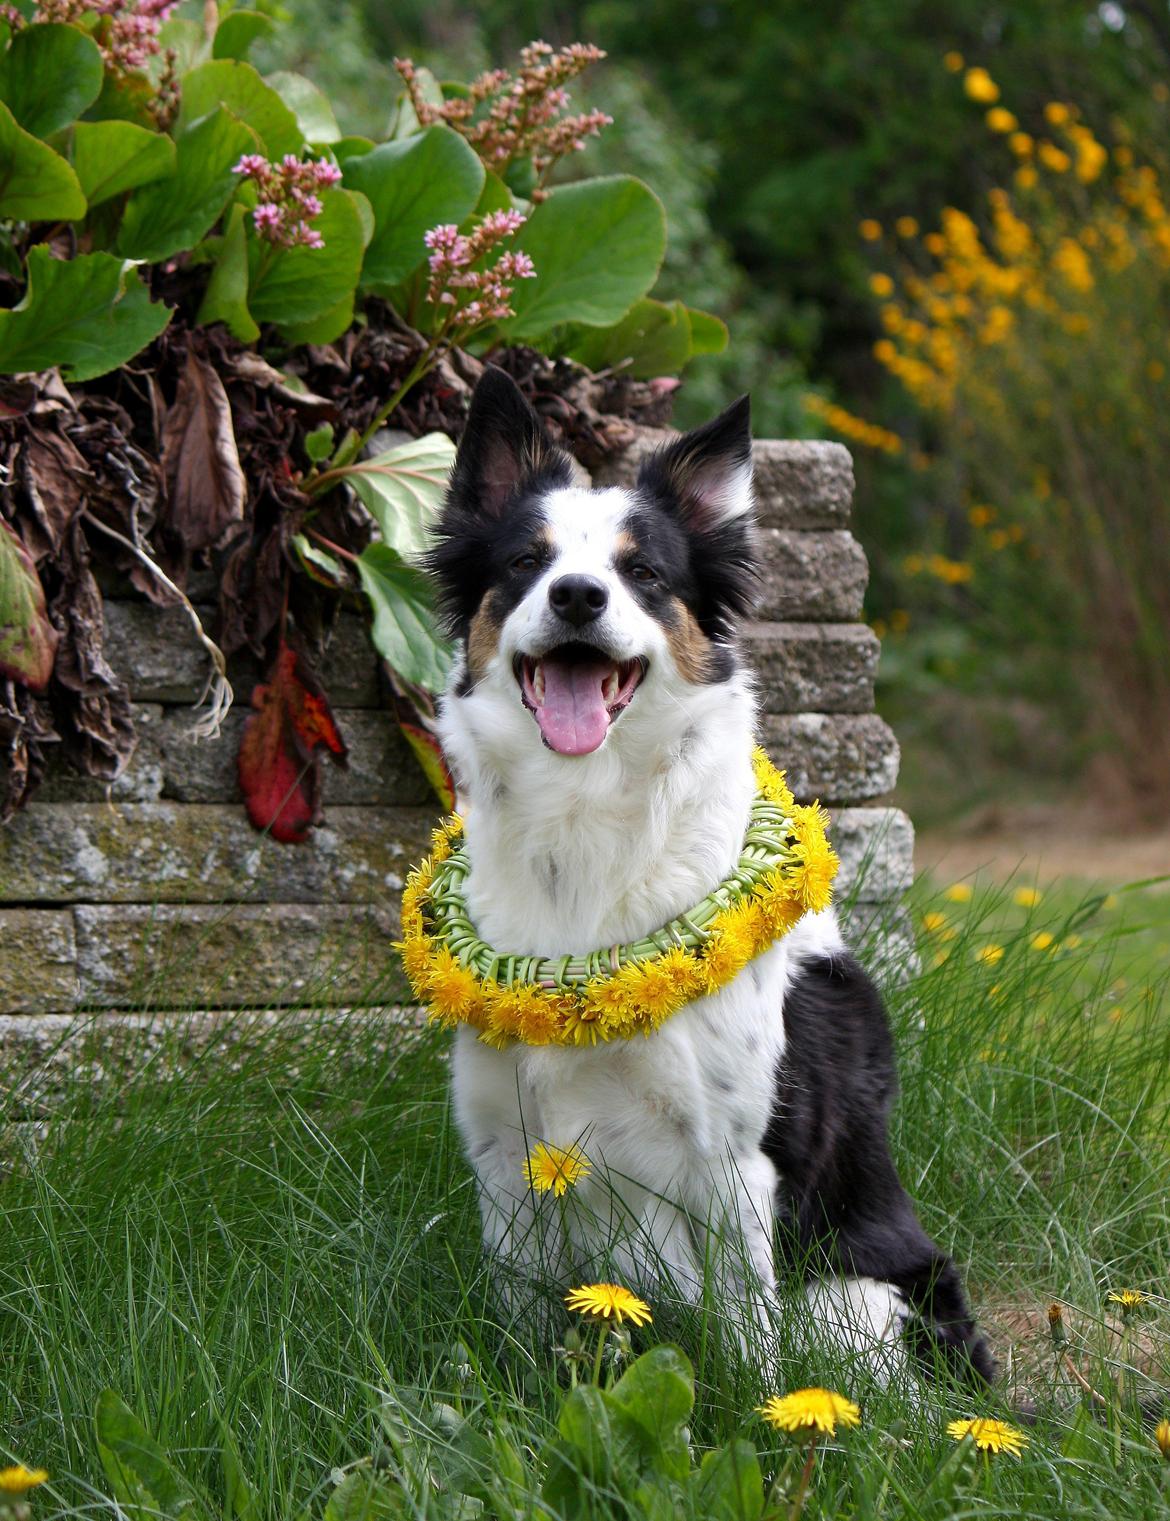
(274, 1248)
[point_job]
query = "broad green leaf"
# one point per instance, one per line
(708, 334)
(658, 1390)
(85, 315)
(404, 630)
(296, 285)
(406, 122)
(36, 184)
(49, 76)
(729, 1485)
(323, 329)
(189, 41)
(495, 196)
(597, 246)
(28, 641)
(173, 214)
(653, 338)
(351, 147)
(241, 1500)
(403, 489)
(308, 104)
(226, 297)
(238, 31)
(238, 87)
(319, 563)
(124, 97)
(413, 184)
(144, 1480)
(367, 1496)
(112, 156)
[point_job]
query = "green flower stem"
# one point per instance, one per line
(805, 1477)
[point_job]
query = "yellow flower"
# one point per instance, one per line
(605, 1010)
(818, 863)
(952, 62)
(1042, 941)
(989, 955)
(416, 960)
(1021, 144)
(881, 285)
(1000, 119)
(1053, 158)
(1128, 1299)
(536, 1014)
(933, 922)
(959, 892)
(989, 1436)
(14, 1481)
(1026, 897)
(1056, 114)
(1162, 1437)
(870, 230)
(551, 1169)
(906, 227)
(1026, 177)
(810, 1410)
(770, 781)
(451, 987)
(980, 86)
(608, 1302)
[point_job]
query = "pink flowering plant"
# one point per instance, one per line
(289, 197)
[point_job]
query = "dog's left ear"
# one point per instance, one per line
(707, 472)
(502, 445)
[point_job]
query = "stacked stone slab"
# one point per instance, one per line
(159, 896)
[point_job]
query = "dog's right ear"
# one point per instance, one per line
(502, 444)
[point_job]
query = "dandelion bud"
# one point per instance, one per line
(1162, 1437)
(1056, 1327)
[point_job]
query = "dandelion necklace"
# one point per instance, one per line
(785, 869)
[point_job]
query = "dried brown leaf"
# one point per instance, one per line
(206, 489)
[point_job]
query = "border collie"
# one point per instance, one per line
(599, 723)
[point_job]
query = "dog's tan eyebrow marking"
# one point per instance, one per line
(483, 637)
(688, 643)
(624, 544)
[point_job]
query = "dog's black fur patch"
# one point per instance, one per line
(843, 1205)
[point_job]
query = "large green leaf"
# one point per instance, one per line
(145, 1482)
(708, 334)
(367, 1496)
(597, 247)
(308, 104)
(404, 631)
(653, 338)
(85, 315)
(295, 285)
(403, 489)
(36, 184)
(50, 74)
(729, 1485)
(28, 641)
(112, 156)
(238, 31)
(226, 297)
(413, 184)
(173, 214)
(237, 86)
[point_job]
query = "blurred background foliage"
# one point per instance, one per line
(1017, 527)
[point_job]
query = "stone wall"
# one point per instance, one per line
(159, 896)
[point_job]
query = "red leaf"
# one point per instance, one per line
(279, 763)
(430, 757)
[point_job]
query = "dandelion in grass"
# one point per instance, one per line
(551, 1169)
(1162, 1437)
(18, 1479)
(1042, 941)
(1026, 897)
(989, 955)
(608, 1303)
(959, 892)
(989, 1436)
(1128, 1300)
(933, 922)
(817, 1410)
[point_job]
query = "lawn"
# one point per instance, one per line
(280, 1258)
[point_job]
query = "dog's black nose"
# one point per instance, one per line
(578, 599)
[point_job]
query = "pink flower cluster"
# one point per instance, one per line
(505, 118)
(475, 296)
(127, 32)
(288, 197)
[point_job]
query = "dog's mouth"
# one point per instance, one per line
(575, 691)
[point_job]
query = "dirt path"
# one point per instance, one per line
(1045, 853)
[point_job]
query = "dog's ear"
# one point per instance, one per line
(502, 444)
(707, 473)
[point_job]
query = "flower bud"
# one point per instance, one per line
(1056, 1327)
(1162, 1437)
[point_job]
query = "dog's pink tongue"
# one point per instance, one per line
(573, 717)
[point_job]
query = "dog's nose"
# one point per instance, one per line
(578, 599)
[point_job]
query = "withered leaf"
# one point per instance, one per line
(206, 489)
(26, 728)
(56, 480)
(279, 764)
(28, 640)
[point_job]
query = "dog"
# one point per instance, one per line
(599, 724)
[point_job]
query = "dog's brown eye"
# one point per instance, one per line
(642, 573)
(525, 562)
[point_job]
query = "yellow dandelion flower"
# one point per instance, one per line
(881, 284)
(1128, 1299)
(933, 922)
(652, 989)
(870, 229)
(816, 859)
(940, 958)
(1073, 942)
(1021, 144)
(1110, 901)
(906, 227)
(1042, 941)
(537, 1016)
(980, 86)
(1026, 897)
(604, 1010)
(989, 1436)
(610, 1303)
(952, 62)
(724, 957)
(501, 1013)
(1026, 177)
(416, 961)
(1053, 158)
(15, 1480)
(552, 1169)
(1162, 1437)
(989, 955)
(959, 892)
(769, 781)
(1056, 113)
(999, 119)
(451, 987)
(935, 243)
(810, 1410)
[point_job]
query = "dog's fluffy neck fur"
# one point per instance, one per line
(568, 855)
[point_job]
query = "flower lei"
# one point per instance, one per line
(785, 870)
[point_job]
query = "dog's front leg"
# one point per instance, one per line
(739, 1217)
(499, 1120)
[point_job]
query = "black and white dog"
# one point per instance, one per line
(600, 724)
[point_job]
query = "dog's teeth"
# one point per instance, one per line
(609, 687)
(538, 681)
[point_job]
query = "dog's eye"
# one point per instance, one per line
(525, 562)
(642, 573)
